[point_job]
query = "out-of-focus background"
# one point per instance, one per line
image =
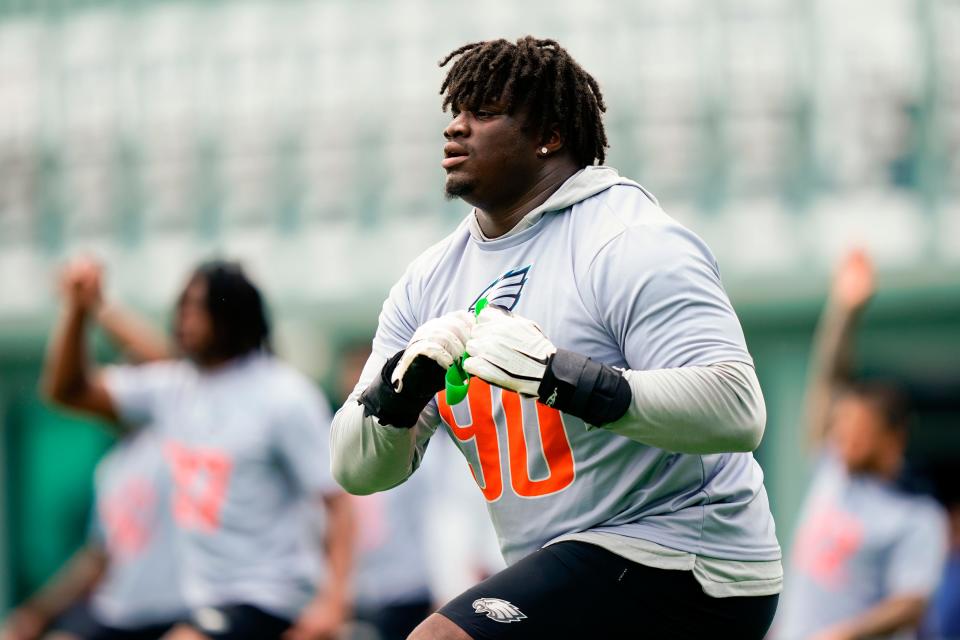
(304, 138)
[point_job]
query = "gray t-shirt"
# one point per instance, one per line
(133, 524)
(860, 541)
(247, 446)
(610, 275)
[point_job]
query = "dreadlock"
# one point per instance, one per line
(539, 74)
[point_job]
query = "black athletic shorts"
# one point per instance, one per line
(80, 621)
(578, 590)
(238, 622)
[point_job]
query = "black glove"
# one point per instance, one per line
(423, 379)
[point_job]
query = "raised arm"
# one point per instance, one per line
(832, 358)
(136, 337)
(68, 379)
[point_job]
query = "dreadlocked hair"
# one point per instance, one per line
(236, 307)
(536, 73)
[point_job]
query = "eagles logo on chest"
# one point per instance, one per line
(505, 291)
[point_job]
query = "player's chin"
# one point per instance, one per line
(457, 185)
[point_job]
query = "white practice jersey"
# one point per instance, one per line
(133, 524)
(605, 273)
(247, 446)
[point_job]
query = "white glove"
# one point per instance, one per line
(508, 351)
(442, 339)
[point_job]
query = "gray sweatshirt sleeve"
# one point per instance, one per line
(656, 290)
(715, 408)
(370, 457)
(365, 456)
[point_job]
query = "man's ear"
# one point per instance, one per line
(553, 140)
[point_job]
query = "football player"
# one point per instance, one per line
(613, 405)
(867, 554)
(123, 584)
(241, 434)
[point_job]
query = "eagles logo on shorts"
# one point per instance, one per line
(498, 610)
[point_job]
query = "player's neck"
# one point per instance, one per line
(496, 220)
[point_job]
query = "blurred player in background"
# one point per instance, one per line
(867, 553)
(392, 592)
(244, 437)
(123, 584)
(625, 499)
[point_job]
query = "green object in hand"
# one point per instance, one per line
(457, 380)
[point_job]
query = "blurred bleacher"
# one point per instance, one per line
(305, 138)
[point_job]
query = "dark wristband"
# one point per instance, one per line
(421, 381)
(573, 383)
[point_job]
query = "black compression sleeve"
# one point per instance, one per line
(401, 409)
(573, 383)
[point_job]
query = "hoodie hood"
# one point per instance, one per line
(584, 184)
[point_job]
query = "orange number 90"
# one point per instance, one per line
(483, 430)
